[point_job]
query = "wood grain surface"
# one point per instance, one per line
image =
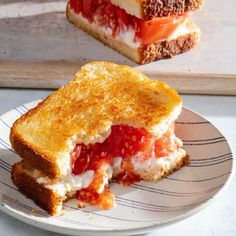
(40, 49)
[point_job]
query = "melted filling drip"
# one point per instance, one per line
(125, 142)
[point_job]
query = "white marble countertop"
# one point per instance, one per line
(218, 219)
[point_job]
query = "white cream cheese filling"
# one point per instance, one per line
(155, 167)
(151, 168)
(69, 184)
(127, 36)
(124, 36)
(107, 174)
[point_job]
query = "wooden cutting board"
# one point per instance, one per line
(40, 49)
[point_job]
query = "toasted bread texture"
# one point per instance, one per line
(43, 197)
(148, 9)
(102, 94)
(143, 54)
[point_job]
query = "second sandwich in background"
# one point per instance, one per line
(142, 30)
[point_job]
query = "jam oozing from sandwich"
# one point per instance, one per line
(124, 142)
(107, 15)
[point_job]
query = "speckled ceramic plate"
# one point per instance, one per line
(141, 207)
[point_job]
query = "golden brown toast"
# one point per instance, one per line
(148, 9)
(102, 94)
(43, 197)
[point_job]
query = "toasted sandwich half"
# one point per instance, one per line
(142, 30)
(110, 121)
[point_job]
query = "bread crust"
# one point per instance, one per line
(43, 197)
(146, 54)
(149, 9)
(161, 50)
(161, 8)
(35, 158)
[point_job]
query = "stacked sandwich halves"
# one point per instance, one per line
(142, 30)
(109, 122)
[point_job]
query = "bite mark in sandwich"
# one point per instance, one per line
(109, 122)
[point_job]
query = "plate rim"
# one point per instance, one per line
(132, 231)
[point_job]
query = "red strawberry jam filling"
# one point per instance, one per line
(107, 15)
(125, 142)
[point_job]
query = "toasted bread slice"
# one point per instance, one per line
(51, 200)
(101, 95)
(187, 39)
(43, 197)
(148, 9)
